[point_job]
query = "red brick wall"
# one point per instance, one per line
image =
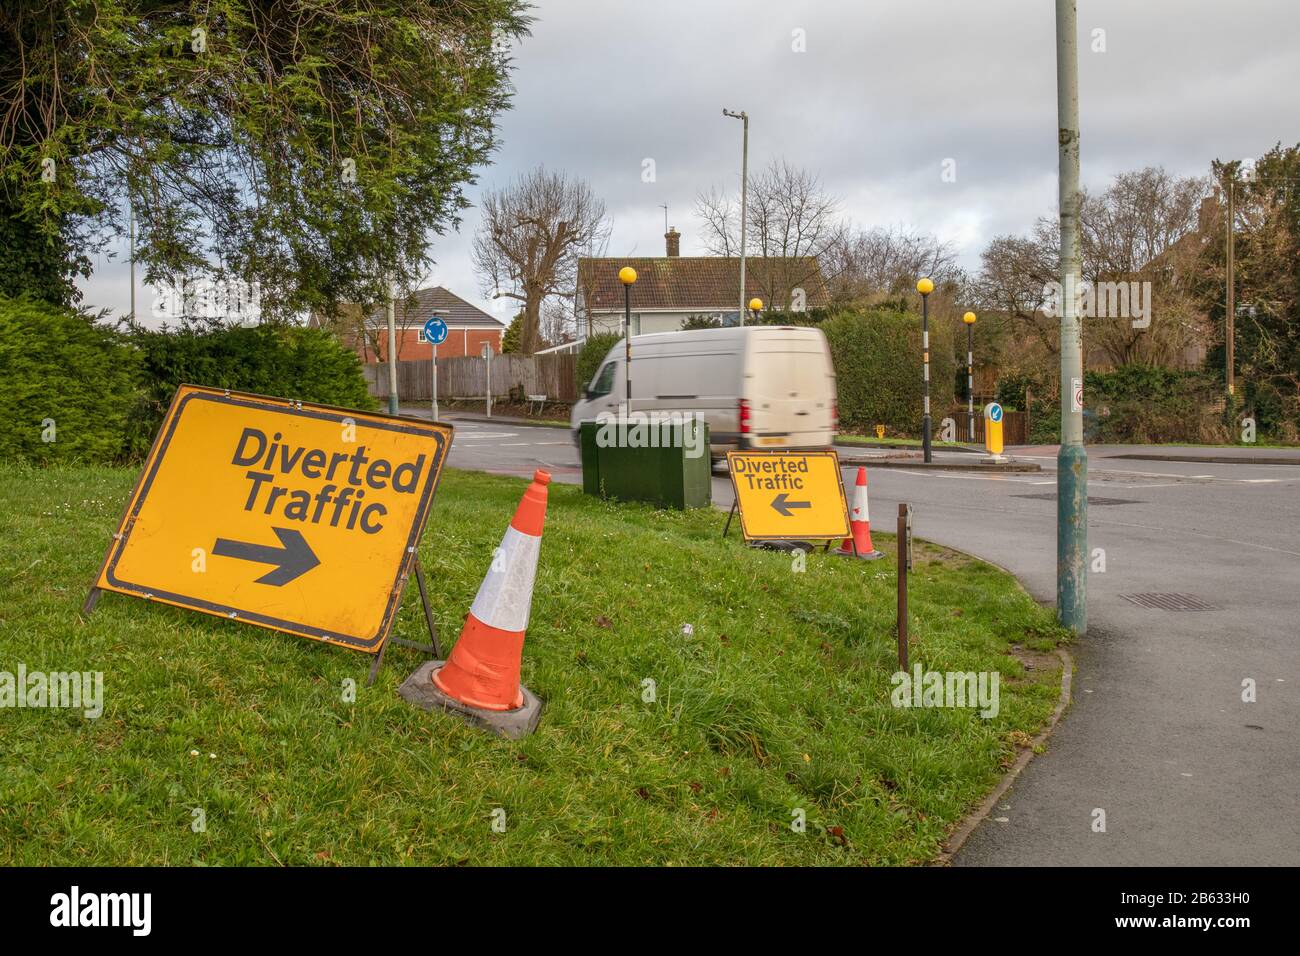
(459, 342)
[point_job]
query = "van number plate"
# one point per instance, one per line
(771, 441)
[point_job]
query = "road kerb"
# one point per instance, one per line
(966, 826)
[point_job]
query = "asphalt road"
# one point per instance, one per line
(1158, 735)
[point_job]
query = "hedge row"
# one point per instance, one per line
(878, 369)
(72, 389)
(1139, 404)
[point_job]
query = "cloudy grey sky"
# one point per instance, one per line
(883, 94)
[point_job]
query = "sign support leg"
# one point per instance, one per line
(730, 514)
(92, 599)
(433, 648)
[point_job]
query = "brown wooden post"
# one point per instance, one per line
(902, 586)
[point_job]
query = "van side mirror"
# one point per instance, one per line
(586, 391)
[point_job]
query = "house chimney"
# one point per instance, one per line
(673, 238)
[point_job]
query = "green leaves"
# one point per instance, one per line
(310, 147)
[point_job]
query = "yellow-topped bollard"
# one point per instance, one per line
(993, 432)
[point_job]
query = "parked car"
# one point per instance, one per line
(757, 386)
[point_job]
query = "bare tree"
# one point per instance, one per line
(557, 322)
(1136, 231)
(528, 242)
(792, 222)
(887, 261)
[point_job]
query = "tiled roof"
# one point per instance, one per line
(448, 306)
(703, 283)
(434, 300)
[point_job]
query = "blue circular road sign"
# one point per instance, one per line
(435, 331)
(995, 412)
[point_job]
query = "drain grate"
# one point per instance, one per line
(1169, 602)
(1051, 496)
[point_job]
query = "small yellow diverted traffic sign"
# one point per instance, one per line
(296, 517)
(784, 495)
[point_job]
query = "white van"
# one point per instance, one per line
(758, 386)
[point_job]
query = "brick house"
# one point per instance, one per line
(469, 328)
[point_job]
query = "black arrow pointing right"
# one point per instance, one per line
(783, 506)
(292, 560)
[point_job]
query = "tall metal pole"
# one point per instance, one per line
(132, 208)
(970, 381)
(1072, 461)
(435, 383)
(925, 287)
(1231, 317)
(392, 354)
(627, 344)
(744, 200)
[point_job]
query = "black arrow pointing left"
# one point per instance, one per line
(293, 559)
(782, 505)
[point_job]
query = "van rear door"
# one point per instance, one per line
(790, 386)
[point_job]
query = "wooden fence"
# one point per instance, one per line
(549, 375)
(1015, 426)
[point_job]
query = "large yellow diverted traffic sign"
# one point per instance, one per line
(789, 494)
(297, 517)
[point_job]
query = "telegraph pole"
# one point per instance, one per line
(1072, 461)
(1231, 317)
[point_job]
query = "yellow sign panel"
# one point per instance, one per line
(297, 517)
(789, 494)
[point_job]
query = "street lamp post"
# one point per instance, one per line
(969, 319)
(744, 195)
(1072, 460)
(925, 287)
(392, 354)
(627, 276)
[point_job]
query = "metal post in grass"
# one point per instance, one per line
(903, 542)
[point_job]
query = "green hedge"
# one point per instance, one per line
(877, 356)
(590, 356)
(1133, 404)
(69, 387)
(75, 390)
(309, 365)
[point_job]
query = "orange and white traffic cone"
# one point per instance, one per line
(483, 669)
(860, 525)
(479, 681)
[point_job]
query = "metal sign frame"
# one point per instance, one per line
(406, 563)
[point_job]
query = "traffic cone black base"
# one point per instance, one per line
(420, 690)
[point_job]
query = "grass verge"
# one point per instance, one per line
(778, 700)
